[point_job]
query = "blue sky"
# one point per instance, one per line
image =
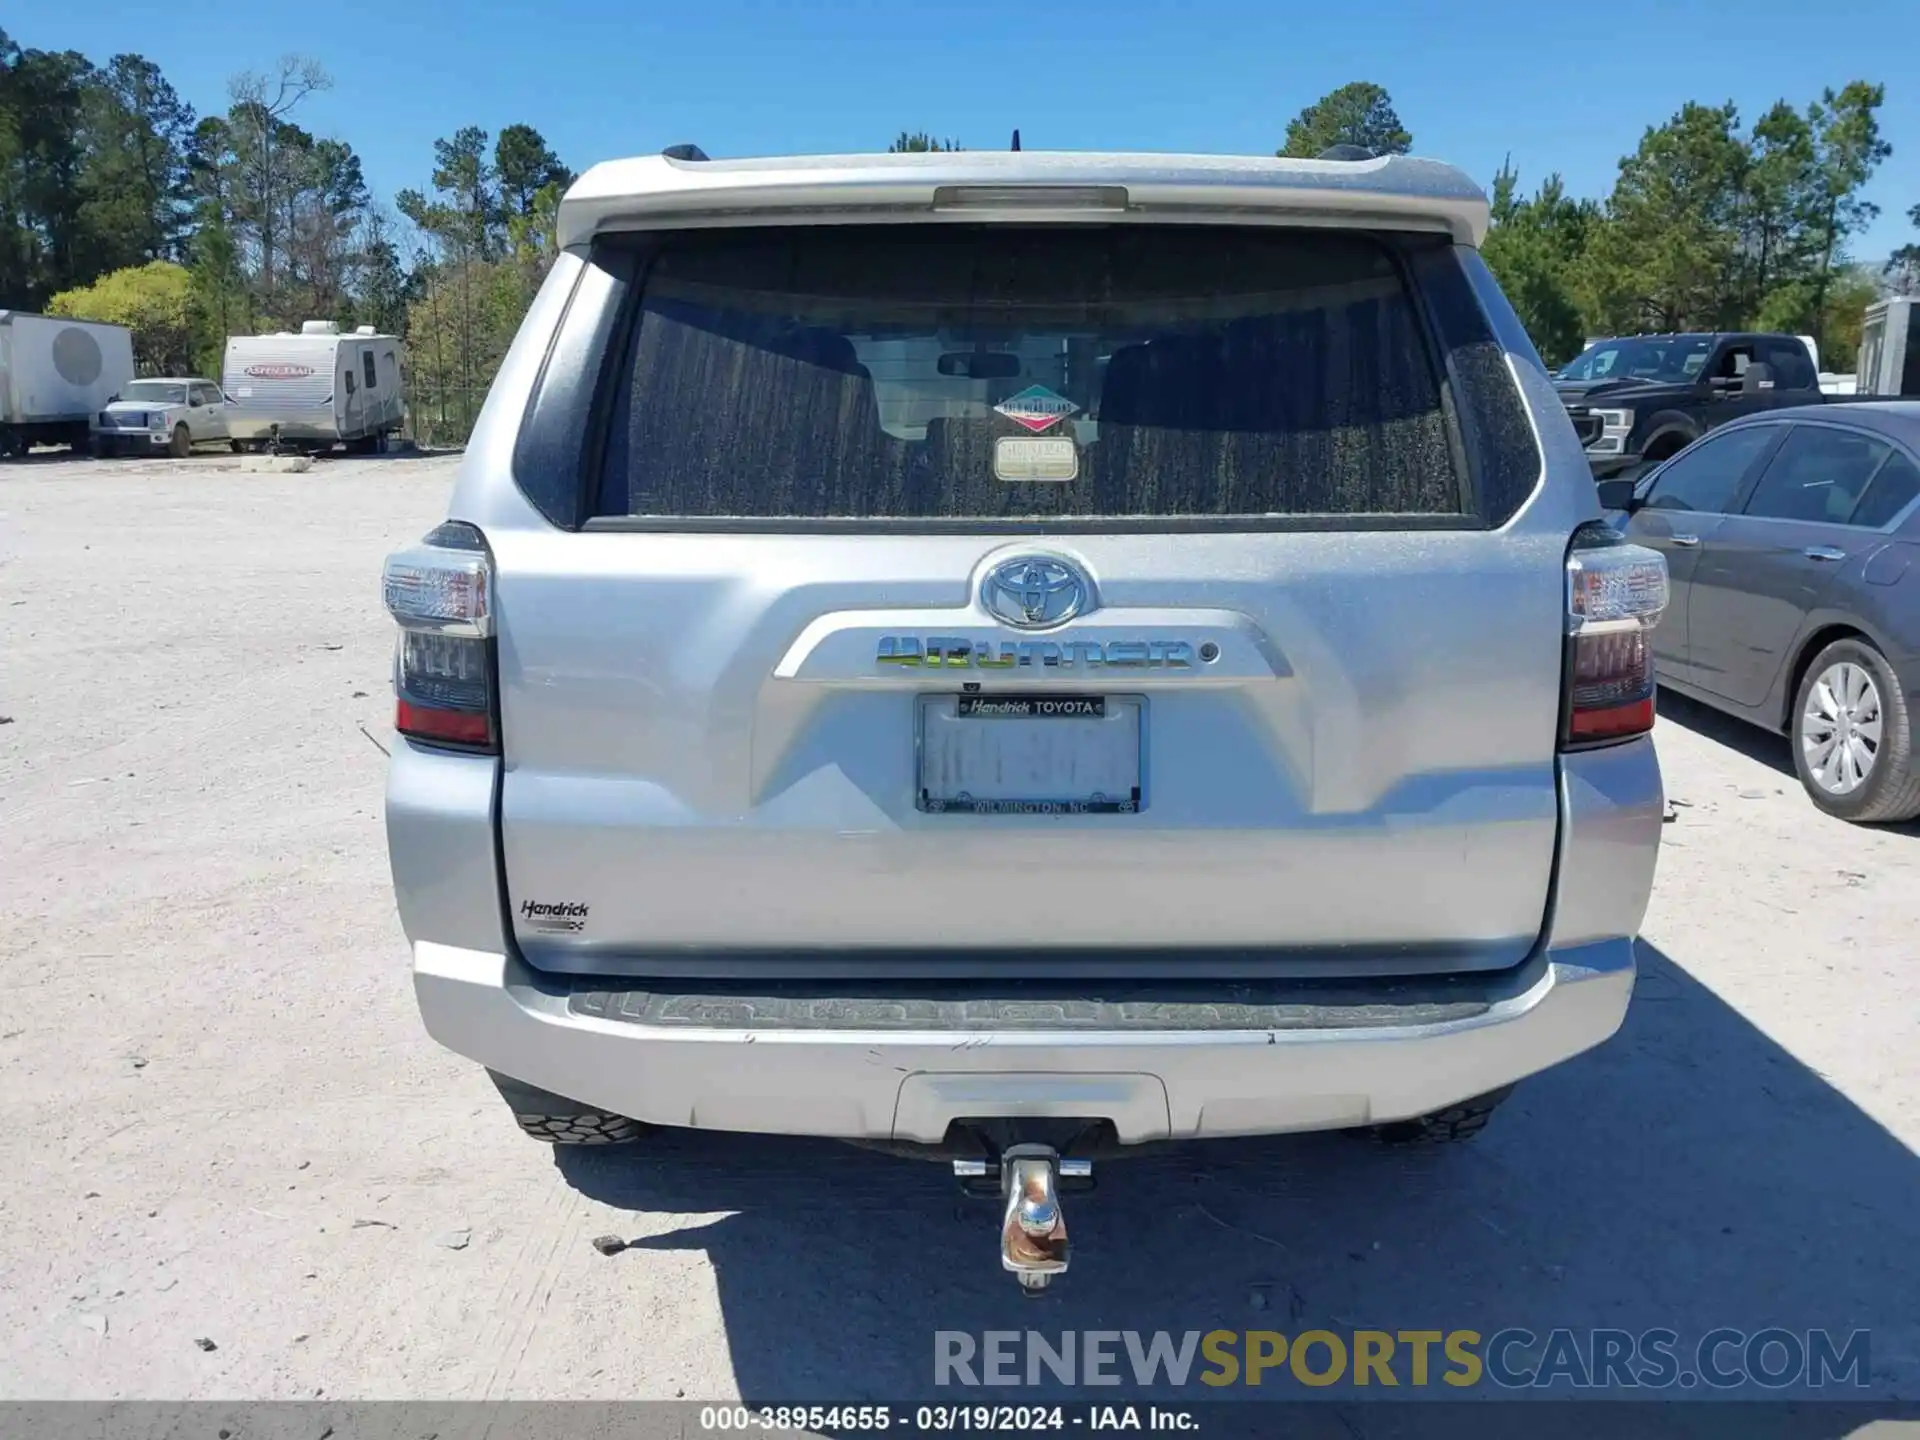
(1560, 87)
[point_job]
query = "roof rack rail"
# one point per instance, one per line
(685, 152)
(1346, 152)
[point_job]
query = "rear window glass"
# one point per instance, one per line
(1890, 492)
(1002, 372)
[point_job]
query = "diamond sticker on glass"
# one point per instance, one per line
(1037, 408)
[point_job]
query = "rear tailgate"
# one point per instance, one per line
(1222, 499)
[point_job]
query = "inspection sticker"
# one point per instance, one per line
(1031, 458)
(1037, 408)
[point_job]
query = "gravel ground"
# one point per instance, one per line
(220, 1119)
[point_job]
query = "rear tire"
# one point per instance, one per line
(1671, 434)
(556, 1120)
(1444, 1127)
(239, 447)
(1854, 677)
(584, 1127)
(181, 445)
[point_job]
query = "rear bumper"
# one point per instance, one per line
(897, 1071)
(1220, 1059)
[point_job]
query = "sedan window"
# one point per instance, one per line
(1818, 475)
(1707, 477)
(1889, 492)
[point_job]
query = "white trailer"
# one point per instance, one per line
(1889, 361)
(315, 390)
(55, 375)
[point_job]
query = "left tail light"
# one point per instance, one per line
(440, 593)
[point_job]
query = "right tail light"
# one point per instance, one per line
(1616, 594)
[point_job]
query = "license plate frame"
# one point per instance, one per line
(1118, 722)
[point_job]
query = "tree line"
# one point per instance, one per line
(1710, 225)
(119, 202)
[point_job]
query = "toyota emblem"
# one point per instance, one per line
(1034, 592)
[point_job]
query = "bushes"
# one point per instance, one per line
(155, 301)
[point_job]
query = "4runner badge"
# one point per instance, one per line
(958, 652)
(1037, 408)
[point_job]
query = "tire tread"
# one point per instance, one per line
(585, 1127)
(1450, 1126)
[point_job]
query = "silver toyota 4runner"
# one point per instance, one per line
(1013, 656)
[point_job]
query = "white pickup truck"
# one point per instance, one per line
(170, 414)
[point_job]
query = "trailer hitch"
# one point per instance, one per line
(1033, 1229)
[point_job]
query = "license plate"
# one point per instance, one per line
(1030, 754)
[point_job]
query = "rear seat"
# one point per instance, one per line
(676, 432)
(1274, 395)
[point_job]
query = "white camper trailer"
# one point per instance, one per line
(55, 375)
(314, 390)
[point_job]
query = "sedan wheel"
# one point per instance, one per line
(1840, 728)
(1853, 738)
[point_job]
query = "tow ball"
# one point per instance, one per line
(1033, 1229)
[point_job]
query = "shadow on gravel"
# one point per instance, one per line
(388, 457)
(1689, 1174)
(40, 459)
(1762, 746)
(47, 456)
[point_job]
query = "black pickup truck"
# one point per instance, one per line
(1635, 401)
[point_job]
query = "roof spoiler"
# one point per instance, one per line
(678, 188)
